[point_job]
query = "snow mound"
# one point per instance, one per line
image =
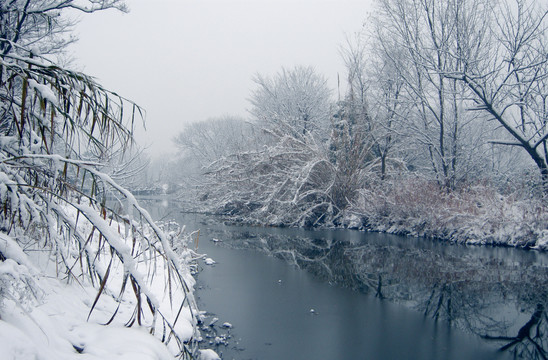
(209, 261)
(56, 327)
(209, 354)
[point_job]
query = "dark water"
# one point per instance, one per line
(342, 294)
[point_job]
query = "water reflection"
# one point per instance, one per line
(498, 294)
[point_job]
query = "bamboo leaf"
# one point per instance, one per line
(137, 291)
(23, 105)
(101, 288)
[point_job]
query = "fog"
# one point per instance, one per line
(190, 60)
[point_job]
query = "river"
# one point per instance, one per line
(345, 294)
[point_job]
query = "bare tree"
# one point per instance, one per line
(208, 141)
(377, 94)
(424, 32)
(503, 60)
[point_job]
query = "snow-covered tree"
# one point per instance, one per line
(502, 59)
(276, 170)
(416, 39)
(295, 101)
(376, 98)
(350, 154)
(54, 197)
(38, 24)
(288, 183)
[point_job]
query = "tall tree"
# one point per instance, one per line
(425, 32)
(377, 94)
(350, 146)
(502, 56)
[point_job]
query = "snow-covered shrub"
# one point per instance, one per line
(286, 184)
(474, 214)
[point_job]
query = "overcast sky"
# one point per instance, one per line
(189, 60)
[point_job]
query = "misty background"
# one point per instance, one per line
(187, 61)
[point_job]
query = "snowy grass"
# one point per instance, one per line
(473, 215)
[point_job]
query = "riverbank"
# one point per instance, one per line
(475, 215)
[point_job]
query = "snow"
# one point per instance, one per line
(15, 344)
(116, 342)
(45, 317)
(45, 92)
(11, 268)
(209, 261)
(208, 354)
(12, 250)
(57, 326)
(213, 321)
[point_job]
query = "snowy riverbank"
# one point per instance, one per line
(478, 215)
(475, 215)
(49, 312)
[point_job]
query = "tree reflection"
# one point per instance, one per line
(500, 299)
(530, 341)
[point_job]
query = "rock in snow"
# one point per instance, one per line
(209, 261)
(213, 321)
